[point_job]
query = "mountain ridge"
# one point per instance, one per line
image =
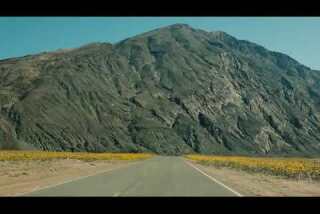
(172, 90)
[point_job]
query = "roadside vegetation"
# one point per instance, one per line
(297, 168)
(45, 155)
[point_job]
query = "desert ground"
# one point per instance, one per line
(21, 177)
(258, 184)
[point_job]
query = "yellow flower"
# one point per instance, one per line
(44, 155)
(289, 167)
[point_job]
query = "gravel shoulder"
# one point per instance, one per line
(21, 177)
(256, 184)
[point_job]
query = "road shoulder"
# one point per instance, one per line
(213, 179)
(257, 184)
(22, 177)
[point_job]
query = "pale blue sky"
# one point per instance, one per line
(299, 37)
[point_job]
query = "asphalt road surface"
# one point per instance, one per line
(159, 176)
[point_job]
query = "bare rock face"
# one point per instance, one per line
(173, 90)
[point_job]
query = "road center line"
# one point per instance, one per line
(214, 179)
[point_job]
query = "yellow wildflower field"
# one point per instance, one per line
(45, 155)
(290, 167)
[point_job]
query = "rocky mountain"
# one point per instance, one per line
(173, 90)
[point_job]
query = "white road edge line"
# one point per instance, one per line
(76, 179)
(214, 179)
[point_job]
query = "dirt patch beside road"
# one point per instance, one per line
(21, 177)
(256, 184)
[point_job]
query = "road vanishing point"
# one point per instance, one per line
(158, 176)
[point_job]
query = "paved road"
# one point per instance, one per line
(159, 176)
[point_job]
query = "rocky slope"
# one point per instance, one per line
(173, 90)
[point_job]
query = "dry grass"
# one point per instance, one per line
(298, 168)
(44, 155)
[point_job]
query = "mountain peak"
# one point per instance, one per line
(179, 25)
(160, 31)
